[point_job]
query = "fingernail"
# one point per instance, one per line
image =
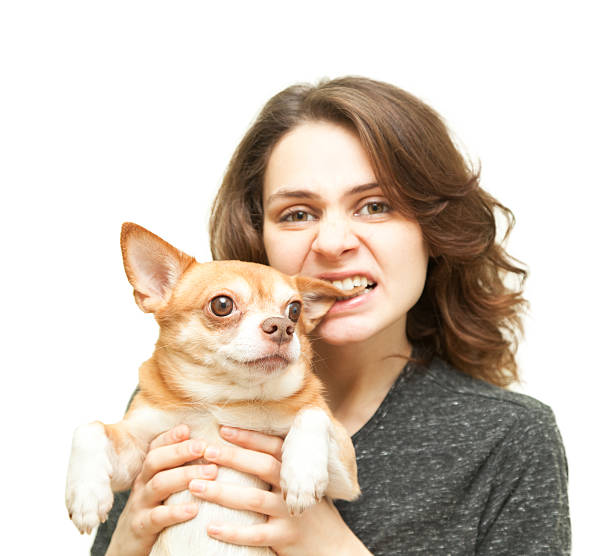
(227, 432)
(191, 509)
(197, 486)
(197, 447)
(214, 530)
(181, 432)
(209, 471)
(211, 452)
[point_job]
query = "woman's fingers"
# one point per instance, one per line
(240, 497)
(164, 516)
(260, 464)
(167, 482)
(170, 456)
(250, 535)
(171, 436)
(252, 440)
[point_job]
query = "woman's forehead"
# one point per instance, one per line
(317, 158)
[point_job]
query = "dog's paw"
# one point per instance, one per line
(88, 502)
(303, 487)
(89, 496)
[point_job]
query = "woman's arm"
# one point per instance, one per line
(319, 530)
(162, 474)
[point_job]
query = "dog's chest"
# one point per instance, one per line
(251, 416)
(256, 417)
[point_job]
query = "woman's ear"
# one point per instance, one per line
(152, 266)
(318, 296)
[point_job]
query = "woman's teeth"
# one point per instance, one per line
(348, 284)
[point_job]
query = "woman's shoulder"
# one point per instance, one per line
(444, 399)
(522, 460)
(443, 381)
(448, 448)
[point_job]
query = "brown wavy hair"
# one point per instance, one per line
(469, 313)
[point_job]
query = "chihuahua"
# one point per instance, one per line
(232, 350)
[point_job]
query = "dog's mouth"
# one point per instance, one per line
(353, 286)
(268, 363)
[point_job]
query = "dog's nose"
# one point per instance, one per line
(280, 329)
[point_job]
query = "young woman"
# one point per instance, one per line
(354, 179)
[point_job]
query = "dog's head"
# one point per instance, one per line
(226, 322)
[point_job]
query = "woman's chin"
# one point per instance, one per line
(338, 333)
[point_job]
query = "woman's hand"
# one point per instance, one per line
(163, 473)
(319, 530)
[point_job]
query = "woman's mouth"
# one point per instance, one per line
(353, 286)
(357, 289)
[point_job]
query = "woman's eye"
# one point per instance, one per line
(221, 305)
(294, 310)
(297, 216)
(373, 208)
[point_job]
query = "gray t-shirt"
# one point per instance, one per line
(450, 465)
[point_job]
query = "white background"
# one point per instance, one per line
(115, 111)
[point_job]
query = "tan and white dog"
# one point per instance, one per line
(232, 350)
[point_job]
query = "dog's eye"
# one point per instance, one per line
(221, 305)
(294, 310)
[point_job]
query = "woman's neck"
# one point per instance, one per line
(358, 376)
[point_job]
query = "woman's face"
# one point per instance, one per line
(325, 216)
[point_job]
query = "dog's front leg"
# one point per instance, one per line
(92, 466)
(304, 468)
(343, 481)
(106, 459)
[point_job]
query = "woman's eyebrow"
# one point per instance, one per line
(292, 194)
(363, 188)
(286, 193)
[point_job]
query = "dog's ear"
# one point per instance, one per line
(152, 266)
(318, 296)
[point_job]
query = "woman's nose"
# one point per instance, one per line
(335, 237)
